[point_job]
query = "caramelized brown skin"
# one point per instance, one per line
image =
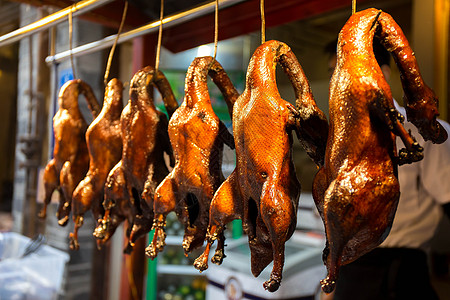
(70, 155)
(104, 143)
(197, 137)
(263, 190)
(117, 205)
(357, 190)
(142, 167)
(420, 101)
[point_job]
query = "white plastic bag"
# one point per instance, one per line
(36, 276)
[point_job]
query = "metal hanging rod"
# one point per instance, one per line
(146, 29)
(51, 20)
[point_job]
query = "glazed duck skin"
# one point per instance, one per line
(197, 137)
(117, 201)
(142, 167)
(104, 143)
(420, 100)
(117, 205)
(70, 160)
(263, 190)
(357, 190)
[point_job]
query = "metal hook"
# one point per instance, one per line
(216, 34)
(111, 53)
(263, 23)
(158, 48)
(70, 40)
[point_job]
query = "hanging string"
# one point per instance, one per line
(30, 83)
(353, 6)
(111, 53)
(158, 48)
(263, 23)
(131, 282)
(70, 41)
(216, 29)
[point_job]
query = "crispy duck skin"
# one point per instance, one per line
(142, 166)
(197, 136)
(117, 205)
(70, 160)
(104, 143)
(263, 190)
(116, 202)
(357, 190)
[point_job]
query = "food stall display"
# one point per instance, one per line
(136, 164)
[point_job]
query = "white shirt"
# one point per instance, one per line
(424, 187)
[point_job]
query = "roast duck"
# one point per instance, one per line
(70, 160)
(263, 189)
(104, 144)
(197, 137)
(130, 185)
(357, 191)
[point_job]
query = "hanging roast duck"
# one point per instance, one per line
(117, 205)
(263, 190)
(70, 160)
(357, 191)
(131, 184)
(197, 137)
(104, 143)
